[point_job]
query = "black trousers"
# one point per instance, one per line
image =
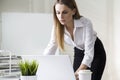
(98, 63)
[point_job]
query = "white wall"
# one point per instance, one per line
(26, 33)
(22, 5)
(0, 30)
(110, 59)
(29, 6)
(117, 38)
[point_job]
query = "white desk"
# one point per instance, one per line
(9, 79)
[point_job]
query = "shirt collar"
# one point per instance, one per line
(78, 23)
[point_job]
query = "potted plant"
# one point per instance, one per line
(28, 69)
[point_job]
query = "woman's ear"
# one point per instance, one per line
(74, 11)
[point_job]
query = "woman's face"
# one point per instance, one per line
(64, 13)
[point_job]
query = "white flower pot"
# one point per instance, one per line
(28, 77)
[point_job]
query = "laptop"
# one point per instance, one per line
(53, 67)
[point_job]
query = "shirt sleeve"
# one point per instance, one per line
(52, 45)
(89, 44)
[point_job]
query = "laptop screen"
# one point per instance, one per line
(53, 67)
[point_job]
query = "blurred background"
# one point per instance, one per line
(104, 14)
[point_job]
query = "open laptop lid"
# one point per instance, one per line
(53, 67)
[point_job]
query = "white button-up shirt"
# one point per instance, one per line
(84, 39)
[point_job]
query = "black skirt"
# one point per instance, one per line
(98, 63)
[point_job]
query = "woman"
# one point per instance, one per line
(75, 30)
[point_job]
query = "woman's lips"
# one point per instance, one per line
(62, 20)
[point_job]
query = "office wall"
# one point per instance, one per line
(26, 33)
(22, 5)
(0, 30)
(116, 38)
(25, 6)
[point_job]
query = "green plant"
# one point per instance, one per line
(28, 68)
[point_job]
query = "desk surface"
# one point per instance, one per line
(9, 79)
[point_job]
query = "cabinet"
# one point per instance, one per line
(9, 64)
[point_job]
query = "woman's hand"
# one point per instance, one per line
(76, 75)
(82, 67)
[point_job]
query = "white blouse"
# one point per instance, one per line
(84, 39)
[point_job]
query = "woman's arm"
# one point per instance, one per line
(89, 46)
(52, 45)
(90, 38)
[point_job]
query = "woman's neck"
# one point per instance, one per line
(70, 26)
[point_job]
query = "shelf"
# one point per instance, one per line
(9, 64)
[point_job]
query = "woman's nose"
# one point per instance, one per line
(61, 16)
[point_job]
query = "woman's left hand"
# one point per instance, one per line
(76, 75)
(82, 67)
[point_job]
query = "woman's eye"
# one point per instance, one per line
(65, 12)
(57, 12)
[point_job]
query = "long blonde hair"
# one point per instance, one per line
(59, 28)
